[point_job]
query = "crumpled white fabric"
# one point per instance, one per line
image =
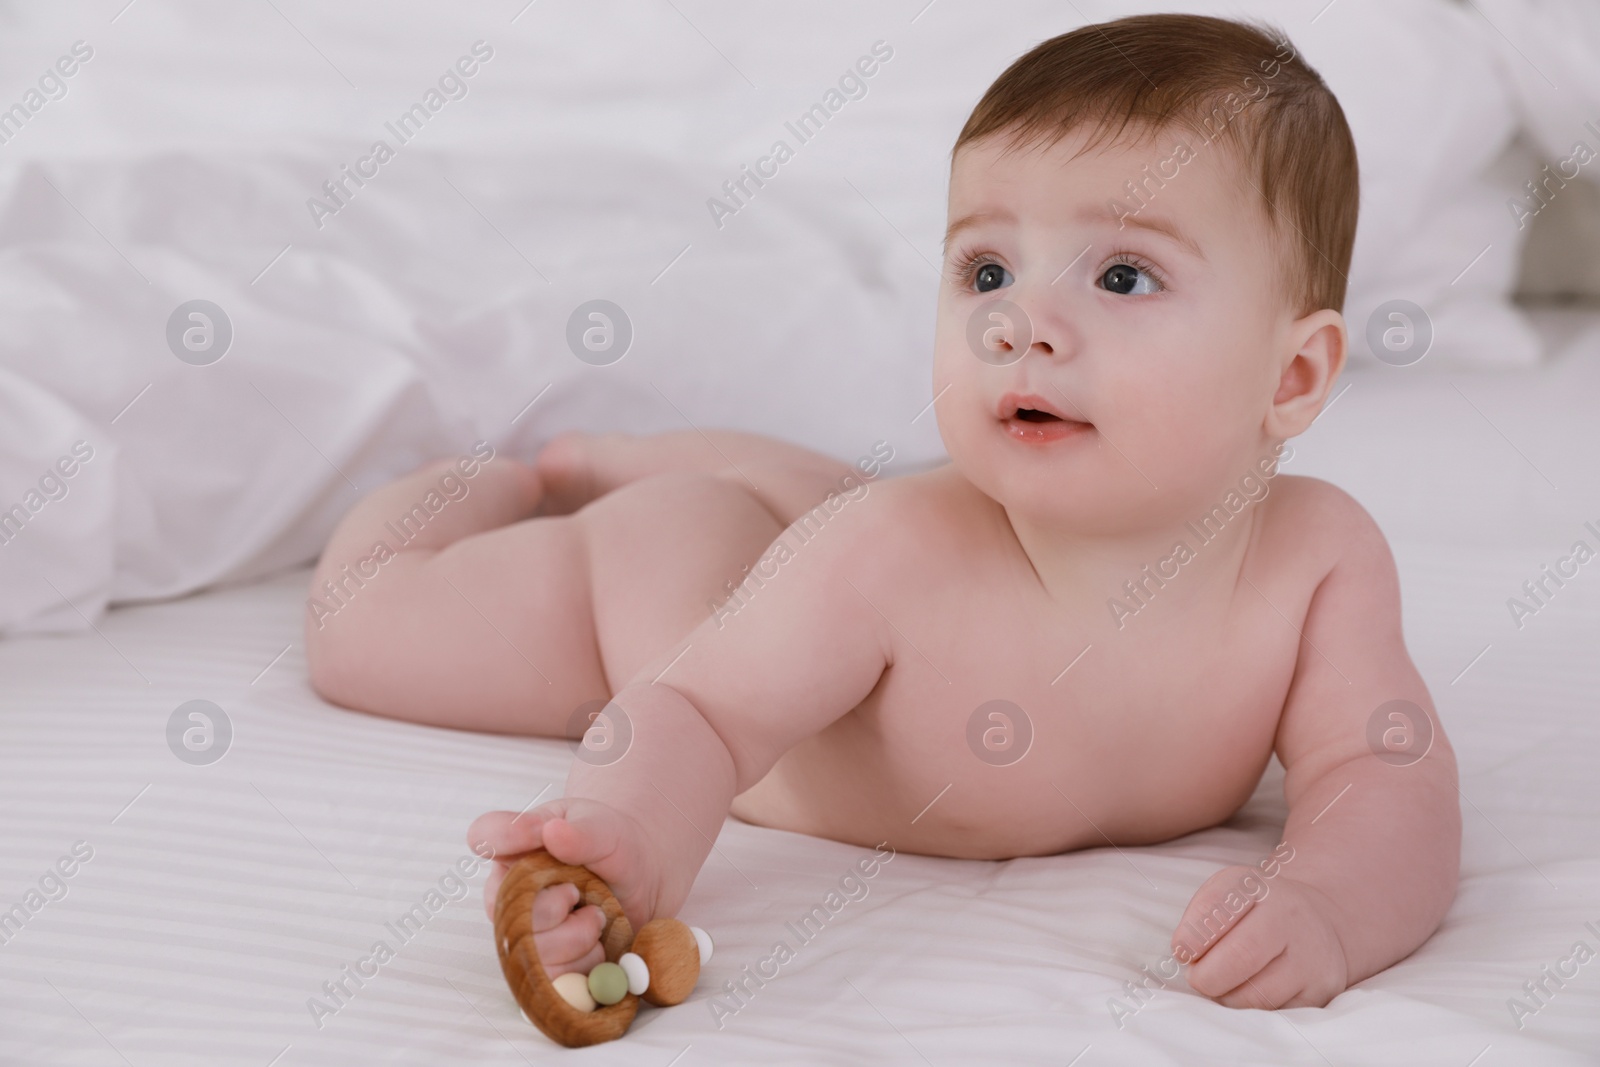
(55, 531)
(1550, 51)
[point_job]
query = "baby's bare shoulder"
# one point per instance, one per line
(937, 510)
(1310, 506)
(900, 528)
(1319, 524)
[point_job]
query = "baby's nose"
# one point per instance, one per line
(1039, 326)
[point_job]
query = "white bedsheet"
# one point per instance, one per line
(219, 899)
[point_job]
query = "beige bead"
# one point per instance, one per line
(669, 949)
(574, 989)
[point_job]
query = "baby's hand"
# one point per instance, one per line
(585, 833)
(567, 940)
(1278, 951)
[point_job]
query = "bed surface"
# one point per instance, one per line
(220, 898)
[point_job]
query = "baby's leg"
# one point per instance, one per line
(577, 467)
(487, 620)
(478, 621)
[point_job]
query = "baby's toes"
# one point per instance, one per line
(573, 944)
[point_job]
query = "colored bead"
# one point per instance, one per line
(702, 941)
(608, 983)
(574, 989)
(638, 972)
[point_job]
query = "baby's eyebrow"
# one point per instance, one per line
(1152, 223)
(974, 219)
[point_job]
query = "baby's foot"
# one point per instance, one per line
(584, 833)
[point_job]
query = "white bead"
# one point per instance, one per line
(574, 989)
(702, 941)
(638, 972)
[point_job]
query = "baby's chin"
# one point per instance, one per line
(1087, 494)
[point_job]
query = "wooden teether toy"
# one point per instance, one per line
(661, 963)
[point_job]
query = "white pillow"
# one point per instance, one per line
(1431, 114)
(1550, 53)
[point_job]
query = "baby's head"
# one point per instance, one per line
(1167, 205)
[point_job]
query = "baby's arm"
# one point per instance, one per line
(710, 717)
(1376, 844)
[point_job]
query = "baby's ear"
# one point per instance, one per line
(1313, 356)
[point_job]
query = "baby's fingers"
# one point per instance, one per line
(1216, 908)
(505, 833)
(491, 888)
(573, 944)
(1271, 987)
(1250, 946)
(553, 904)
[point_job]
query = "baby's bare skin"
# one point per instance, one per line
(1145, 755)
(837, 699)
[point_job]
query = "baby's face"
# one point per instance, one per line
(1156, 346)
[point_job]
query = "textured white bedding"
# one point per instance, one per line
(219, 899)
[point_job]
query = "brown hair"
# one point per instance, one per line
(1222, 79)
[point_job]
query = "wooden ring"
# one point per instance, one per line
(519, 959)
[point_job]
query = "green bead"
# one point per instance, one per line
(608, 983)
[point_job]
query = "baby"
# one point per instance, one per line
(1093, 626)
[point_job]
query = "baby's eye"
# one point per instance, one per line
(1129, 280)
(991, 276)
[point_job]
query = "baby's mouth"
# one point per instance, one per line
(1033, 419)
(1041, 427)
